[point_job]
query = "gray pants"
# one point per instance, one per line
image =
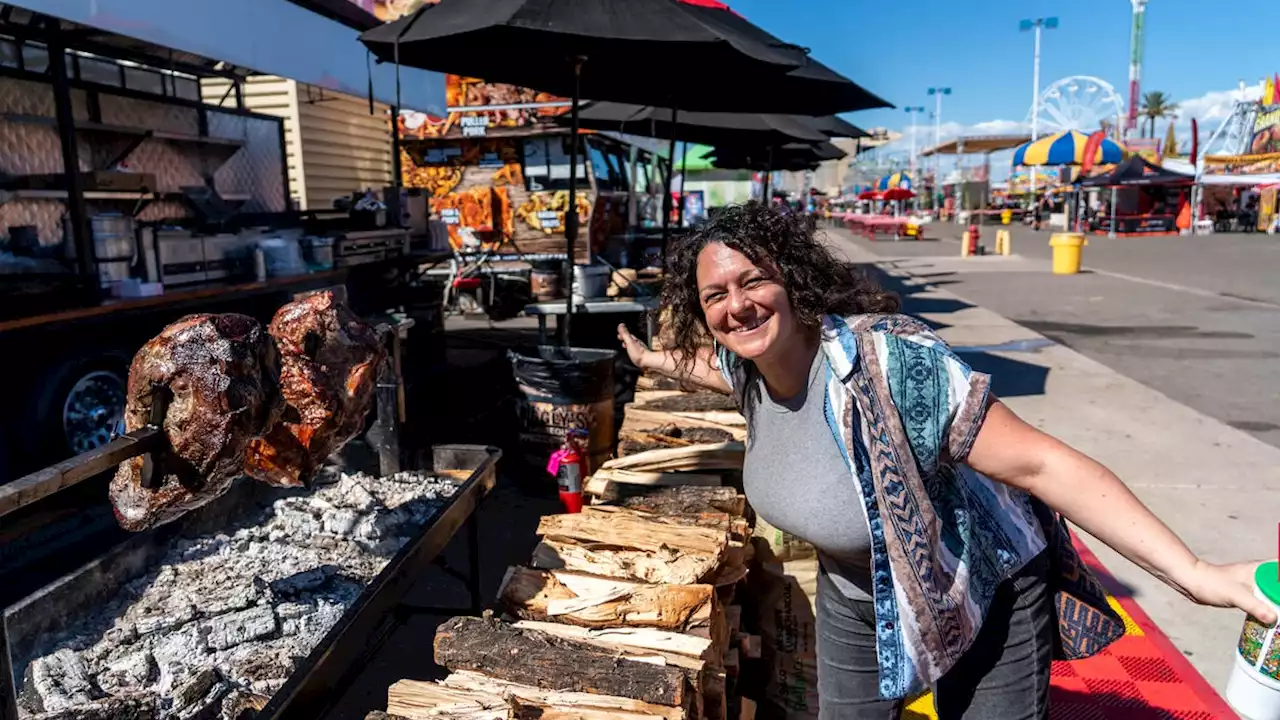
(1004, 676)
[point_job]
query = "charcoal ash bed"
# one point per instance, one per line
(257, 605)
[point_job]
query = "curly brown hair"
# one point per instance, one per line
(817, 284)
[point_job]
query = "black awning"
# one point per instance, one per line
(1137, 172)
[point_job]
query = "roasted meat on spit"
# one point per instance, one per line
(211, 382)
(329, 362)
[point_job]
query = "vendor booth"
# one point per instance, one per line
(1146, 199)
(966, 188)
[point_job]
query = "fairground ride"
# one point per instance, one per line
(1078, 102)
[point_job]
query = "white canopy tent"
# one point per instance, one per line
(1241, 180)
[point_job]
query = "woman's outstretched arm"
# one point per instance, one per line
(1009, 450)
(703, 371)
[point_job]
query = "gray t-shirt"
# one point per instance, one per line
(796, 478)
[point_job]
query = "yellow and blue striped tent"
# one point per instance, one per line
(1065, 148)
(896, 180)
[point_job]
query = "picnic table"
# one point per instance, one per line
(873, 225)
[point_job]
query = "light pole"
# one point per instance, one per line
(937, 93)
(912, 131)
(912, 111)
(1037, 25)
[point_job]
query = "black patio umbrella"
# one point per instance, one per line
(719, 129)
(699, 127)
(619, 50)
(737, 129)
(625, 50)
(816, 87)
(809, 152)
(791, 156)
(836, 127)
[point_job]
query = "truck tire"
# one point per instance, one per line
(76, 406)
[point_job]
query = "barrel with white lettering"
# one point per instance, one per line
(563, 389)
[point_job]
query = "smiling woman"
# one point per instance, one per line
(759, 262)
(944, 562)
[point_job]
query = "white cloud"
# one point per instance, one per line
(1208, 109)
(925, 134)
(1215, 105)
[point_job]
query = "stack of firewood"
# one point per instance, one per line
(628, 609)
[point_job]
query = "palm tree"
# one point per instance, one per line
(1155, 106)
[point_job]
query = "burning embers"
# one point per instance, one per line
(221, 623)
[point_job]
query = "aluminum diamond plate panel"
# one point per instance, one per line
(28, 148)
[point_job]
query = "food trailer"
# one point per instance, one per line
(495, 172)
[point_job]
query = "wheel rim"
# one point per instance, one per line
(93, 411)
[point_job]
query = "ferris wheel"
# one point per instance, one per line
(1079, 102)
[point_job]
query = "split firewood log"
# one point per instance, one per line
(719, 456)
(484, 697)
(736, 527)
(638, 417)
(590, 705)
(628, 529)
(638, 641)
(665, 566)
(596, 602)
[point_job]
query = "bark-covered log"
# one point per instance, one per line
(702, 401)
(631, 441)
(599, 482)
(536, 658)
(544, 595)
(678, 500)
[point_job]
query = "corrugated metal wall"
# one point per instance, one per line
(334, 145)
(29, 147)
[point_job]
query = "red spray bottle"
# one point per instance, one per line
(569, 466)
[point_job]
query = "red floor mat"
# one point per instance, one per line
(1140, 677)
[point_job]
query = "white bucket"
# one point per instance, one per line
(1254, 687)
(590, 282)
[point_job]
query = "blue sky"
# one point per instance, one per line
(899, 48)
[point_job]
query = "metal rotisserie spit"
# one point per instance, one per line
(239, 596)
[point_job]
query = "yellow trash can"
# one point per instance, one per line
(1006, 217)
(1067, 252)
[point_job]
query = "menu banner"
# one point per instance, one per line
(1266, 131)
(475, 108)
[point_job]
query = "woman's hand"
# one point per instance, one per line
(1228, 586)
(636, 350)
(699, 372)
(1091, 496)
